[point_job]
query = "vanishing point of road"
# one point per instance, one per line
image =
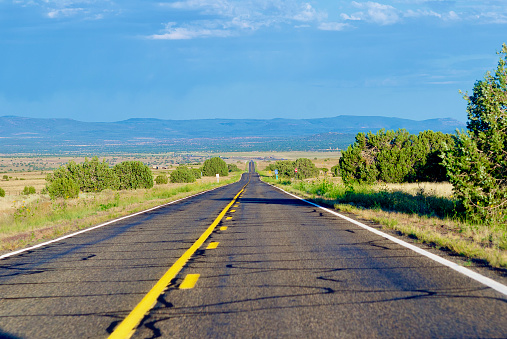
(270, 265)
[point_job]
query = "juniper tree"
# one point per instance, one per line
(214, 166)
(477, 165)
(394, 156)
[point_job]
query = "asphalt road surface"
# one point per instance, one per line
(276, 267)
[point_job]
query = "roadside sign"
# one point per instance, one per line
(295, 170)
(276, 171)
(218, 177)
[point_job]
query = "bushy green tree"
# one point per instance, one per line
(430, 146)
(286, 168)
(306, 168)
(63, 188)
(232, 168)
(354, 167)
(28, 190)
(133, 175)
(95, 176)
(214, 166)
(394, 156)
(182, 174)
(161, 179)
(197, 173)
(90, 176)
(2, 192)
(477, 164)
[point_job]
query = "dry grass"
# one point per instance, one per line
(17, 181)
(438, 189)
(447, 234)
(37, 218)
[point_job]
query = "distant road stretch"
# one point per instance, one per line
(272, 266)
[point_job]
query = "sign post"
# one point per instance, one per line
(276, 172)
(218, 177)
(296, 171)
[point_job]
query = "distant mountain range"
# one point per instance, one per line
(21, 134)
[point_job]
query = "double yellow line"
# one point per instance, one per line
(128, 326)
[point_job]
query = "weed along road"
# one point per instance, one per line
(244, 261)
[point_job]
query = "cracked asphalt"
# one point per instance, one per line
(282, 268)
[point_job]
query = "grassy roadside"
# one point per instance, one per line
(40, 219)
(425, 216)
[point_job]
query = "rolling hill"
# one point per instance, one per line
(35, 135)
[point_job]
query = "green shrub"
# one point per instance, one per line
(63, 188)
(477, 164)
(233, 168)
(286, 168)
(28, 190)
(90, 176)
(306, 168)
(214, 166)
(395, 156)
(161, 179)
(2, 192)
(182, 174)
(6, 177)
(133, 175)
(95, 176)
(335, 170)
(197, 173)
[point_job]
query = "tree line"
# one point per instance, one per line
(95, 176)
(474, 161)
(210, 168)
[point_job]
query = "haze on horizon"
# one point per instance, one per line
(191, 59)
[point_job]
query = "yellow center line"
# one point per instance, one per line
(232, 211)
(128, 326)
(228, 218)
(212, 245)
(223, 228)
(189, 281)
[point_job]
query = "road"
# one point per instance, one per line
(278, 267)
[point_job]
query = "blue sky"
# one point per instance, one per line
(100, 60)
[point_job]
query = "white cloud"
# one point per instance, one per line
(64, 12)
(453, 16)
(308, 13)
(394, 11)
(237, 16)
(421, 13)
(89, 9)
(374, 12)
(494, 17)
(333, 26)
(350, 17)
(184, 33)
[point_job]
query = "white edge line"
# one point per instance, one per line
(463, 270)
(10, 254)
